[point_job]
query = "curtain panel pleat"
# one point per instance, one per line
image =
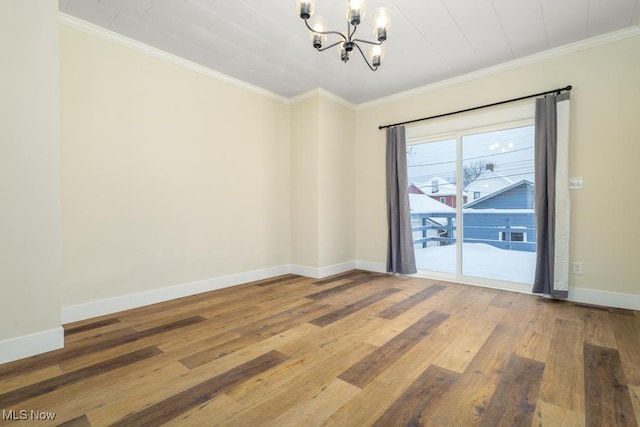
(552, 195)
(400, 255)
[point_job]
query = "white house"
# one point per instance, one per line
(489, 181)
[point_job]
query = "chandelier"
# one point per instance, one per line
(346, 42)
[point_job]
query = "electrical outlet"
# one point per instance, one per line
(577, 268)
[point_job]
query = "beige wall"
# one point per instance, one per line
(323, 178)
(604, 149)
(305, 122)
(168, 176)
(29, 172)
(337, 183)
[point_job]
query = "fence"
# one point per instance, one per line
(511, 229)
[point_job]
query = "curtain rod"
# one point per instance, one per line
(567, 88)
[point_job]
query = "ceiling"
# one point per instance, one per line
(265, 43)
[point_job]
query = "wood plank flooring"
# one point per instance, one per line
(355, 349)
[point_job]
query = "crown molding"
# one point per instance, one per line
(319, 92)
(506, 66)
(304, 96)
(93, 29)
(103, 33)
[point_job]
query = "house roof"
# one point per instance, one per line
(488, 182)
(413, 189)
(443, 187)
(421, 203)
(496, 193)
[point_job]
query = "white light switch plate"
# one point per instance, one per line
(575, 183)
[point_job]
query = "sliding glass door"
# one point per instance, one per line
(475, 187)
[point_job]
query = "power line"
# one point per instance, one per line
(412, 179)
(505, 168)
(472, 158)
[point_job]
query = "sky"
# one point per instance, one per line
(511, 151)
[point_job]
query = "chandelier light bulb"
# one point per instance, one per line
(376, 55)
(355, 11)
(319, 25)
(381, 23)
(344, 53)
(306, 8)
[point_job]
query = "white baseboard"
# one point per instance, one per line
(376, 267)
(92, 309)
(320, 272)
(580, 295)
(606, 298)
(30, 345)
(303, 270)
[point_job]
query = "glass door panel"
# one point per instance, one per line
(498, 215)
(433, 201)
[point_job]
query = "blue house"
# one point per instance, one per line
(504, 219)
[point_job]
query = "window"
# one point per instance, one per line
(432, 220)
(490, 237)
(515, 236)
(518, 237)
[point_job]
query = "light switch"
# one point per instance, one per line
(575, 183)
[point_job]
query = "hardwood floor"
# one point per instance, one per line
(351, 350)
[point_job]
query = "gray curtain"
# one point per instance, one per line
(546, 126)
(400, 256)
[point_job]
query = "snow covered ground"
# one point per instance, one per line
(480, 260)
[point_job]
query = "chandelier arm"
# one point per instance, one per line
(321, 49)
(378, 43)
(324, 32)
(355, 27)
(365, 57)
